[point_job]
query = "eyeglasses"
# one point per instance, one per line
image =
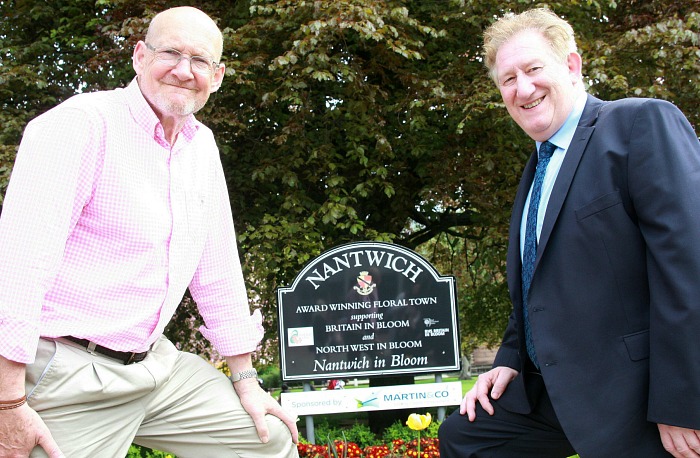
(172, 57)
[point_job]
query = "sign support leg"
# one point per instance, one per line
(440, 410)
(309, 420)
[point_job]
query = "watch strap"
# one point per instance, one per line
(249, 373)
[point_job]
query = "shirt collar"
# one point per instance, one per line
(562, 138)
(145, 117)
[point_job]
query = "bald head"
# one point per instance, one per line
(191, 25)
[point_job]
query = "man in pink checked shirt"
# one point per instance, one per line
(118, 204)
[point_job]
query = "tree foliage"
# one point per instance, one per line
(350, 120)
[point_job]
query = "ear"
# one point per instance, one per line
(138, 60)
(217, 77)
(574, 62)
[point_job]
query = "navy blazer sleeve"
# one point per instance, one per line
(664, 188)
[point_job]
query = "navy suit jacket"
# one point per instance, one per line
(615, 296)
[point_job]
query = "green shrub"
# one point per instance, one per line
(358, 433)
(361, 435)
(432, 430)
(323, 430)
(399, 430)
(270, 376)
(136, 451)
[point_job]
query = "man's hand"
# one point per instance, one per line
(680, 442)
(22, 429)
(493, 382)
(258, 403)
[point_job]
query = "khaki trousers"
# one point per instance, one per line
(172, 401)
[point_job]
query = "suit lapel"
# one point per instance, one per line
(566, 174)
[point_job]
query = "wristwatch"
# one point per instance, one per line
(249, 373)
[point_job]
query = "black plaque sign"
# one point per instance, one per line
(364, 309)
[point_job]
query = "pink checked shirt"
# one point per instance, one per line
(105, 225)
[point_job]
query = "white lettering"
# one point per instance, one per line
(403, 360)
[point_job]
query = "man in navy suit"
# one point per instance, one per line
(603, 359)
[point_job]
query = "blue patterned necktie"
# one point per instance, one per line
(530, 247)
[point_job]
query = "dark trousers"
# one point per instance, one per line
(506, 434)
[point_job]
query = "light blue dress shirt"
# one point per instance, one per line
(561, 139)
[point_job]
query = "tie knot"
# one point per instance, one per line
(546, 150)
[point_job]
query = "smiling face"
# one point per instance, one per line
(538, 89)
(176, 92)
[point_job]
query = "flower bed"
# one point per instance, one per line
(429, 448)
(421, 447)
